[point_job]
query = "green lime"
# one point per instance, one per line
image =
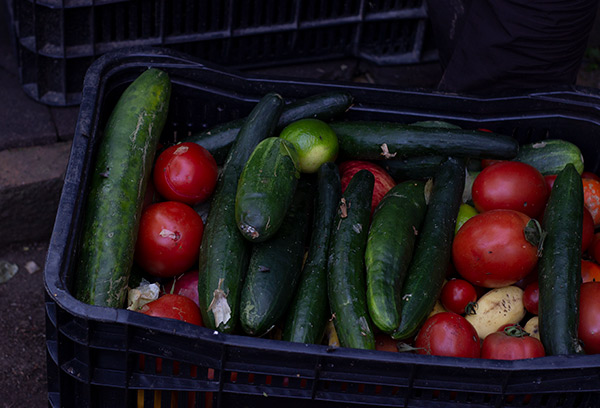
(315, 142)
(465, 211)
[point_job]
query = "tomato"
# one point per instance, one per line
(457, 295)
(591, 198)
(590, 271)
(491, 249)
(383, 181)
(589, 317)
(590, 175)
(510, 185)
(169, 239)
(448, 334)
(488, 162)
(385, 342)
(172, 306)
(511, 343)
(594, 248)
(531, 297)
(185, 172)
(550, 180)
(587, 233)
(185, 285)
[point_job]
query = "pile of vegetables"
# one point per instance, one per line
(423, 237)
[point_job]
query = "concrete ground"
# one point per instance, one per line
(34, 148)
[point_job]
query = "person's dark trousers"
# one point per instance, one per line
(488, 45)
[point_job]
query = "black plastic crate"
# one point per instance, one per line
(57, 40)
(93, 352)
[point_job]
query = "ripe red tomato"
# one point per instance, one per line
(185, 172)
(172, 306)
(591, 198)
(531, 297)
(594, 248)
(448, 334)
(590, 271)
(491, 250)
(185, 285)
(168, 239)
(550, 180)
(589, 317)
(383, 181)
(385, 342)
(511, 343)
(457, 294)
(587, 233)
(510, 185)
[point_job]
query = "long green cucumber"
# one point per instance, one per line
(275, 267)
(325, 106)
(118, 184)
(392, 235)
(560, 265)
(306, 319)
(224, 252)
(369, 140)
(266, 188)
(412, 168)
(433, 249)
(551, 156)
(346, 285)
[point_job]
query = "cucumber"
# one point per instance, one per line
(275, 268)
(392, 235)
(346, 285)
(224, 252)
(551, 156)
(118, 184)
(266, 188)
(433, 250)
(325, 106)
(560, 265)
(411, 168)
(309, 311)
(365, 140)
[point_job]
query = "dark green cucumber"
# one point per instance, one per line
(118, 184)
(560, 265)
(325, 106)
(275, 267)
(346, 285)
(433, 250)
(266, 188)
(412, 168)
(224, 252)
(392, 235)
(366, 140)
(309, 311)
(551, 156)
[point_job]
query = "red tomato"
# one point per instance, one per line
(587, 233)
(488, 162)
(594, 248)
(491, 250)
(172, 306)
(168, 239)
(510, 185)
(185, 285)
(550, 180)
(591, 198)
(185, 172)
(511, 343)
(383, 181)
(590, 271)
(457, 295)
(589, 317)
(590, 175)
(385, 342)
(448, 334)
(531, 297)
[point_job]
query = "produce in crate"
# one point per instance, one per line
(497, 308)
(511, 343)
(383, 181)
(314, 141)
(550, 156)
(224, 252)
(448, 334)
(118, 184)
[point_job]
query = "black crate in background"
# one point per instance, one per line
(57, 40)
(94, 353)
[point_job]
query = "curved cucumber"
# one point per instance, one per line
(560, 265)
(309, 311)
(275, 268)
(387, 140)
(266, 188)
(433, 250)
(224, 252)
(345, 268)
(118, 184)
(325, 106)
(392, 235)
